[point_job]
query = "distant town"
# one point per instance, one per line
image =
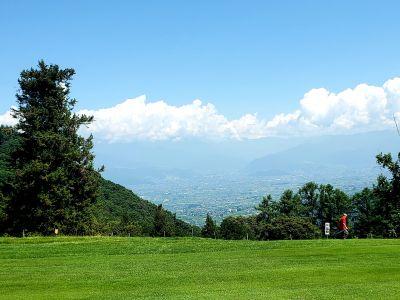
(234, 193)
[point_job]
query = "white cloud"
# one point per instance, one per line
(363, 108)
(7, 119)
(137, 119)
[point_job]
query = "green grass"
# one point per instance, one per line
(184, 268)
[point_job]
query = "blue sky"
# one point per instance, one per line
(242, 56)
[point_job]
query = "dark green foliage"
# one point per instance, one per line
(115, 205)
(288, 228)
(237, 228)
(309, 198)
(119, 211)
(294, 216)
(54, 180)
(162, 226)
(289, 204)
(377, 210)
(332, 204)
(268, 209)
(183, 228)
(210, 228)
(298, 215)
(366, 215)
(387, 191)
(8, 143)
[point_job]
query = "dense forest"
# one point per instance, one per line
(48, 182)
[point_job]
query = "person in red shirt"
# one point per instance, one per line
(343, 226)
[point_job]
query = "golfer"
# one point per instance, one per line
(343, 226)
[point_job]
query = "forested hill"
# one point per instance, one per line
(120, 211)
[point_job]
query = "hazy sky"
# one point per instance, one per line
(243, 57)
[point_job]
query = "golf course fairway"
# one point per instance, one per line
(195, 268)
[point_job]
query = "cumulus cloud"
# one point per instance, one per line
(7, 119)
(363, 108)
(137, 119)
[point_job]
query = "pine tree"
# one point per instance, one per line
(160, 222)
(309, 196)
(267, 209)
(209, 229)
(388, 192)
(290, 204)
(8, 142)
(55, 180)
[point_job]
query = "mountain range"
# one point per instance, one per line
(143, 162)
(345, 153)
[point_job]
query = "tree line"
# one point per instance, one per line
(373, 212)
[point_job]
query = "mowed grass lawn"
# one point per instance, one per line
(186, 268)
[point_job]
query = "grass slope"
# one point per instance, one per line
(182, 268)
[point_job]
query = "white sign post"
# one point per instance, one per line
(327, 229)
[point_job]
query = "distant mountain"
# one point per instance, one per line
(144, 162)
(157, 158)
(327, 154)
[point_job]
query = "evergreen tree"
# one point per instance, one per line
(333, 203)
(8, 142)
(367, 216)
(237, 228)
(209, 229)
(267, 209)
(290, 204)
(388, 192)
(161, 226)
(309, 197)
(55, 181)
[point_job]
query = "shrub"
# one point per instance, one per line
(288, 228)
(237, 228)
